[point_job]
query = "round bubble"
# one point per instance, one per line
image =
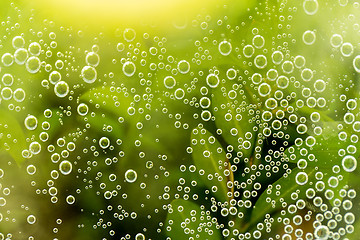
(92, 59)
(356, 63)
(347, 49)
(82, 109)
(65, 167)
(104, 142)
(183, 66)
(130, 176)
(225, 48)
(129, 68)
(260, 61)
(31, 122)
(169, 82)
(212, 80)
(258, 41)
(248, 51)
(54, 77)
(89, 74)
(309, 37)
(18, 42)
(336, 40)
(31, 219)
(7, 59)
(34, 49)
(21, 55)
(33, 64)
(349, 163)
(310, 6)
(61, 89)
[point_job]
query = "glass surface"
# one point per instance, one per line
(233, 119)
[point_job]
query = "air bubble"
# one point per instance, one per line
(61, 89)
(31, 122)
(92, 59)
(130, 176)
(21, 55)
(31, 219)
(33, 64)
(183, 66)
(212, 80)
(89, 74)
(82, 109)
(104, 142)
(225, 48)
(309, 37)
(129, 68)
(169, 82)
(65, 167)
(311, 7)
(349, 163)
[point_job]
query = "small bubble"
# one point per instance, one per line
(70, 199)
(92, 59)
(82, 109)
(7, 59)
(89, 74)
(183, 66)
(309, 37)
(212, 80)
(260, 61)
(129, 68)
(65, 167)
(258, 41)
(336, 40)
(129, 34)
(33, 64)
(54, 77)
(130, 176)
(31, 219)
(104, 142)
(347, 49)
(310, 7)
(34, 49)
(248, 51)
(349, 163)
(61, 89)
(169, 82)
(18, 42)
(31, 122)
(21, 55)
(225, 48)
(356, 63)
